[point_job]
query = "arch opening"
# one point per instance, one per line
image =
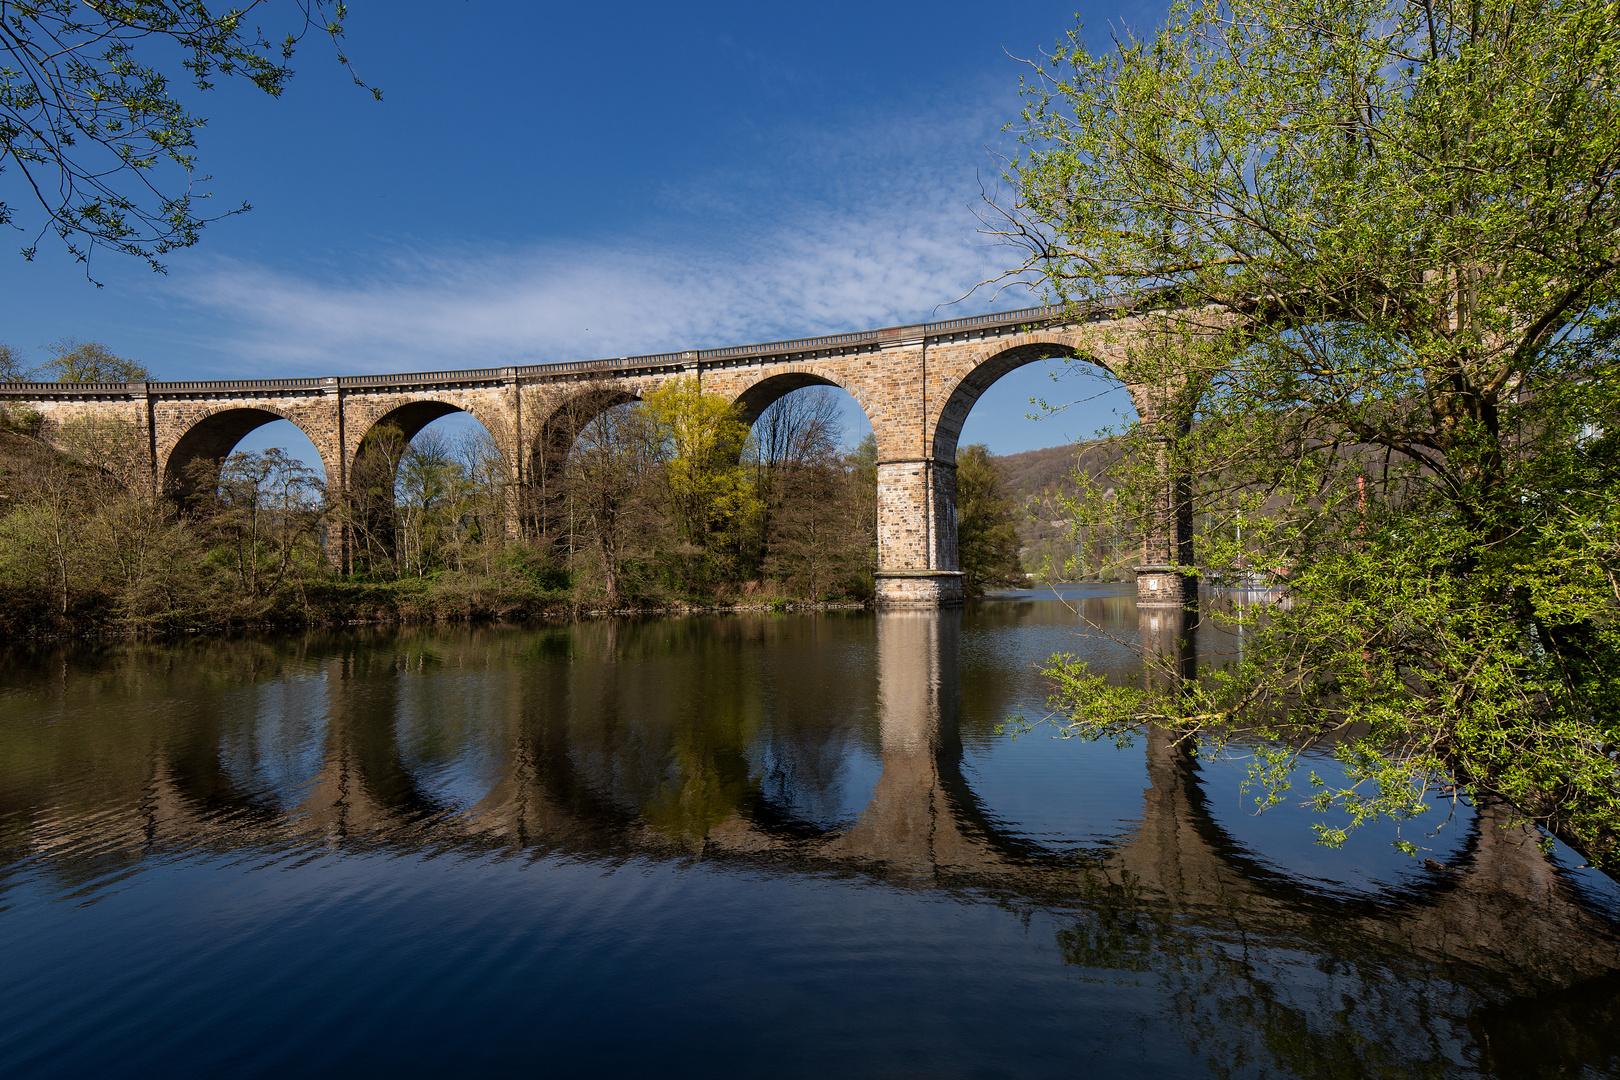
(1000, 456)
(1098, 395)
(428, 490)
(205, 447)
(545, 511)
(815, 482)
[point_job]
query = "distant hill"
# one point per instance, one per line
(1036, 478)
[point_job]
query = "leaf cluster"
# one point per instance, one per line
(94, 130)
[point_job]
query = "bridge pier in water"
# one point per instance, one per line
(918, 563)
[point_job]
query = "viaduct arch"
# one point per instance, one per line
(915, 384)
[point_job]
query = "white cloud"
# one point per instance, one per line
(824, 238)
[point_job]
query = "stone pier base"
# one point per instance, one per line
(919, 588)
(1165, 587)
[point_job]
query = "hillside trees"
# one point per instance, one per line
(1380, 236)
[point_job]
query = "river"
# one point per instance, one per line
(739, 845)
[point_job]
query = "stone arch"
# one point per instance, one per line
(371, 475)
(214, 434)
(1168, 546)
(560, 417)
(563, 417)
(411, 417)
(759, 396)
(983, 371)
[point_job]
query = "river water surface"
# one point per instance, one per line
(773, 845)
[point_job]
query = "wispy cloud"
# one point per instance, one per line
(853, 239)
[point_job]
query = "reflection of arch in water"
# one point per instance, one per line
(363, 785)
(1501, 907)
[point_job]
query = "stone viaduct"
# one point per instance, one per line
(915, 384)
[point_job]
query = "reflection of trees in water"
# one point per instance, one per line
(729, 738)
(1250, 1000)
(1251, 1004)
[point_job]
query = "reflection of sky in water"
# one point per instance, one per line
(1281, 836)
(274, 735)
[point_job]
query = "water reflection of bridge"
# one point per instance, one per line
(1501, 909)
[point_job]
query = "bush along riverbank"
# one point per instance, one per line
(668, 505)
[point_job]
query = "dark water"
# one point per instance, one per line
(733, 846)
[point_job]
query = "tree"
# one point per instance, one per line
(986, 527)
(12, 367)
(610, 472)
(699, 440)
(92, 129)
(89, 361)
(798, 427)
(265, 507)
(1379, 236)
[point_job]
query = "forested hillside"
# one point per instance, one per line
(1035, 479)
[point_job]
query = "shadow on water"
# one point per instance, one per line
(841, 751)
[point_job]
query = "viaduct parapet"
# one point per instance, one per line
(916, 385)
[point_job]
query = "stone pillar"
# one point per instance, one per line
(336, 539)
(146, 425)
(917, 559)
(513, 498)
(1165, 578)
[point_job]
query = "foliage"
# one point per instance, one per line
(89, 361)
(93, 129)
(428, 527)
(698, 441)
(1380, 240)
(986, 523)
(817, 532)
(610, 473)
(12, 366)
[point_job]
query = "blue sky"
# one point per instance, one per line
(546, 182)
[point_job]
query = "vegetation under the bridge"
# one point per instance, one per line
(668, 503)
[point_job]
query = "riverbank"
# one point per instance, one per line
(29, 615)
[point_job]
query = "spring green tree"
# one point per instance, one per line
(1380, 237)
(986, 523)
(712, 495)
